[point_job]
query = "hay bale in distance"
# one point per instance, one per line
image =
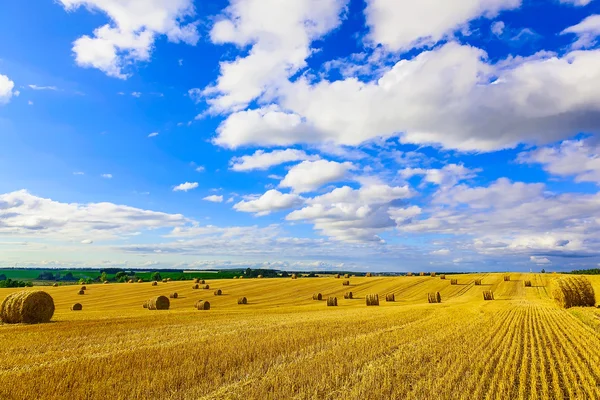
(527, 283)
(168, 279)
(348, 295)
(164, 281)
(81, 292)
(140, 280)
(506, 278)
(346, 276)
(332, 302)
(432, 274)
(241, 277)
(196, 280)
(173, 295)
(434, 297)
(409, 274)
(130, 281)
(106, 282)
(337, 276)
(317, 296)
(488, 295)
(29, 307)
(259, 277)
(372, 300)
(242, 300)
(390, 297)
(154, 283)
(202, 305)
(294, 276)
(83, 288)
(218, 292)
(477, 282)
(346, 283)
(573, 291)
(443, 276)
(202, 281)
(454, 281)
(368, 275)
(421, 273)
(206, 287)
(76, 307)
(235, 277)
(196, 286)
(55, 285)
(159, 303)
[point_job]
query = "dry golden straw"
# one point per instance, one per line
(242, 300)
(81, 292)
(506, 278)
(346, 283)
(218, 292)
(202, 305)
(30, 307)
(317, 296)
(372, 300)
(76, 307)
(390, 297)
(477, 282)
(332, 302)
(173, 296)
(454, 281)
(348, 295)
(573, 291)
(527, 283)
(434, 297)
(159, 303)
(488, 295)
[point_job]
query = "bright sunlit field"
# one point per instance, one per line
(283, 344)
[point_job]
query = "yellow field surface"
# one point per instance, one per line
(284, 345)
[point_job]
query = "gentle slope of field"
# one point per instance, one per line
(282, 344)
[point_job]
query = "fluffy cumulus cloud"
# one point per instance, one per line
(279, 35)
(214, 198)
(262, 160)
(134, 27)
(587, 32)
(354, 215)
(311, 175)
(184, 187)
(576, 3)
(579, 159)
(272, 201)
(401, 25)
(25, 215)
(449, 175)
(6, 89)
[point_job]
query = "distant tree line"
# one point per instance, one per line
(9, 283)
(593, 271)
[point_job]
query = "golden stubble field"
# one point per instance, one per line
(284, 345)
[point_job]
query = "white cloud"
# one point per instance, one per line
(200, 168)
(78, 173)
(6, 89)
(448, 96)
(576, 3)
(153, 134)
(449, 175)
(180, 62)
(30, 103)
(279, 34)
(214, 198)
(539, 260)
(262, 160)
(184, 187)
(587, 32)
(402, 25)
(36, 87)
(353, 215)
(271, 201)
(311, 175)
(136, 94)
(497, 28)
(440, 252)
(25, 215)
(87, 241)
(135, 25)
(572, 158)
(106, 176)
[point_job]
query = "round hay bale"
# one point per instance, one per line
(259, 277)
(140, 280)
(205, 287)
(130, 281)
(434, 297)
(196, 286)
(527, 283)
(317, 296)
(145, 305)
(346, 276)
(477, 282)
(164, 281)
(432, 274)
(81, 292)
(202, 305)
(202, 281)
(235, 277)
(241, 277)
(573, 291)
(294, 276)
(409, 274)
(218, 292)
(421, 273)
(337, 276)
(29, 307)
(106, 282)
(454, 281)
(488, 295)
(348, 295)
(154, 283)
(168, 279)
(372, 300)
(83, 288)
(443, 276)
(173, 295)
(55, 285)
(159, 303)
(76, 307)
(242, 300)
(390, 297)
(368, 275)
(346, 283)
(332, 302)
(196, 280)
(506, 278)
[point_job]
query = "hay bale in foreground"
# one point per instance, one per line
(29, 307)
(506, 278)
(390, 297)
(242, 300)
(83, 288)
(81, 292)
(372, 300)
(434, 297)
(573, 291)
(368, 275)
(454, 281)
(154, 283)
(346, 283)
(317, 296)
(202, 305)
(76, 307)
(332, 302)
(218, 292)
(348, 295)
(432, 274)
(488, 295)
(443, 276)
(173, 295)
(159, 303)
(527, 283)
(477, 282)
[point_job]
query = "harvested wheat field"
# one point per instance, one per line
(285, 345)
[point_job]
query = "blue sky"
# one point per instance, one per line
(369, 135)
